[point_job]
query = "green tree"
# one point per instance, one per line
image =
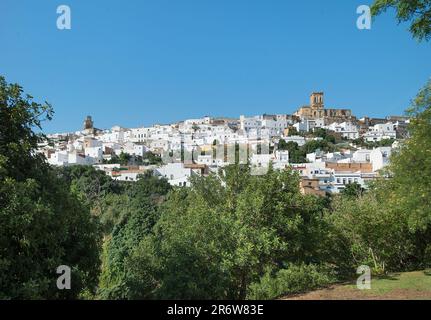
(42, 224)
(353, 190)
(89, 184)
(296, 154)
(124, 158)
(325, 134)
(371, 232)
(151, 158)
(131, 217)
(411, 166)
(416, 11)
(293, 132)
(313, 145)
(216, 238)
(389, 227)
(282, 145)
(19, 115)
(114, 160)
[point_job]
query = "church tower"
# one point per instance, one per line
(88, 126)
(88, 123)
(316, 100)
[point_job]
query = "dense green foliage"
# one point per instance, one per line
(389, 228)
(293, 279)
(42, 224)
(371, 145)
(416, 11)
(325, 134)
(130, 216)
(411, 167)
(298, 154)
(229, 236)
(353, 190)
(216, 238)
(126, 159)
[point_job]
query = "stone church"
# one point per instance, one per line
(316, 110)
(89, 128)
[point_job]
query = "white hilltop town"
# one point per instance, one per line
(329, 148)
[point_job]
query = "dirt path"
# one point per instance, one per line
(340, 292)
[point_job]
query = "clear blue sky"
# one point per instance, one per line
(140, 62)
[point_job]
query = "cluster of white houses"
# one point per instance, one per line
(201, 146)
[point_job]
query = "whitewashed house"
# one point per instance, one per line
(347, 129)
(379, 157)
(380, 132)
(175, 173)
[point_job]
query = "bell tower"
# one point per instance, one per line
(316, 100)
(88, 123)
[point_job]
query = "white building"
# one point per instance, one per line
(95, 153)
(341, 179)
(308, 124)
(379, 157)
(361, 155)
(136, 149)
(176, 174)
(380, 132)
(279, 159)
(297, 139)
(249, 123)
(139, 134)
(347, 129)
(59, 158)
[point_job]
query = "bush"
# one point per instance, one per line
(294, 279)
(376, 231)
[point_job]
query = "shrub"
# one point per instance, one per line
(294, 279)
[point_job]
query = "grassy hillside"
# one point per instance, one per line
(399, 286)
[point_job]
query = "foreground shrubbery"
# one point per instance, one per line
(389, 228)
(216, 238)
(292, 280)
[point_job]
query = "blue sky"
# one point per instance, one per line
(141, 62)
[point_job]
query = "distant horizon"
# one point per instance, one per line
(200, 117)
(137, 63)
